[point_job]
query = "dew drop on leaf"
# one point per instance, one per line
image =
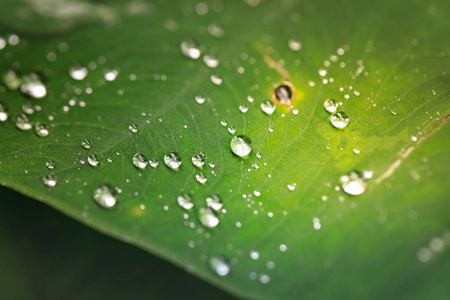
(28, 108)
(105, 196)
(111, 75)
(50, 164)
(185, 202)
(172, 160)
(353, 184)
(32, 86)
(153, 163)
(210, 60)
(200, 99)
(243, 108)
(339, 119)
(86, 143)
(254, 255)
(294, 44)
(92, 160)
(201, 178)
(198, 160)
(50, 180)
(78, 72)
(232, 129)
(22, 122)
(41, 130)
(139, 161)
(219, 265)
(207, 217)
(216, 79)
(4, 114)
(133, 128)
(190, 49)
(12, 80)
(214, 202)
(330, 105)
(241, 145)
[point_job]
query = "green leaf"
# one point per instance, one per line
(387, 62)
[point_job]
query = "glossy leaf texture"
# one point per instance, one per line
(149, 85)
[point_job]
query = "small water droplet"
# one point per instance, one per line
(92, 160)
(214, 202)
(394, 112)
(339, 119)
(50, 164)
(184, 201)
(22, 122)
(198, 160)
(153, 163)
(207, 217)
(50, 180)
(353, 184)
(215, 31)
(295, 111)
(254, 255)
(212, 165)
(190, 49)
(223, 123)
(201, 178)
(291, 186)
(33, 87)
(264, 278)
(78, 72)
(356, 151)
(4, 113)
(200, 99)
(232, 129)
(243, 108)
(105, 196)
(12, 80)
(139, 161)
(86, 143)
(216, 79)
(294, 44)
(111, 75)
(322, 72)
(268, 107)
(219, 265)
(413, 138)
(173, 160)
(241, 145)
(211, 60)
(41, 129)
(28, 108)
(133, 128)
(283, 93)
(330, 105)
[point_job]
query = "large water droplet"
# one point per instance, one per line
(22, 122)
(216, 79)
(33, 87)
(241, 145)
(283, 93)
(211, 60)
(92, 160)
(184, 201)
(50, 180)
(105, 196)
(339, 119)
(219, 265)
(268, 107)
(201, 178)
(330, 105)
(353, 184)
(207, 217)
(78, 72)
(139, 161)
(173, 160)
(41, 129)
(4, 114)
(294, 44)
(214, 202)
(190, 49)
(86, 143)
(198, 160)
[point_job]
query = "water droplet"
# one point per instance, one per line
(414, 138)
(257, 193)
(22, 122)
(200, 99)
(339, 119)
(198, 160)
(50, 164)
(4, 114)
(219, 265)
(110, 75)
(12, 80)
(50, 180)
(264, 278)
(105, 196)
(394, 112)
(33, 87)
(133, 128)
(367, 174)
(190, 49)
(41, 130)
(283, 93)
(330, 105)
(214, 202)
(295, 111)
(153, 163)
(78, 72)
(223, 123)
(294, 44)
(28, 108)
(241, 145)
(215, 31)
(201, 178)
(184, 201)
(232, 129)
(211, 60)
(139, 161)
(322, 72)
(212, 164)
(207, 217)
(216, 79)
(172, 160)
(243, 108)
(87, 144)
(92, 160)
(283, 248)
(254, 255)
(268, 107)
(291, 186)
(353, 184)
